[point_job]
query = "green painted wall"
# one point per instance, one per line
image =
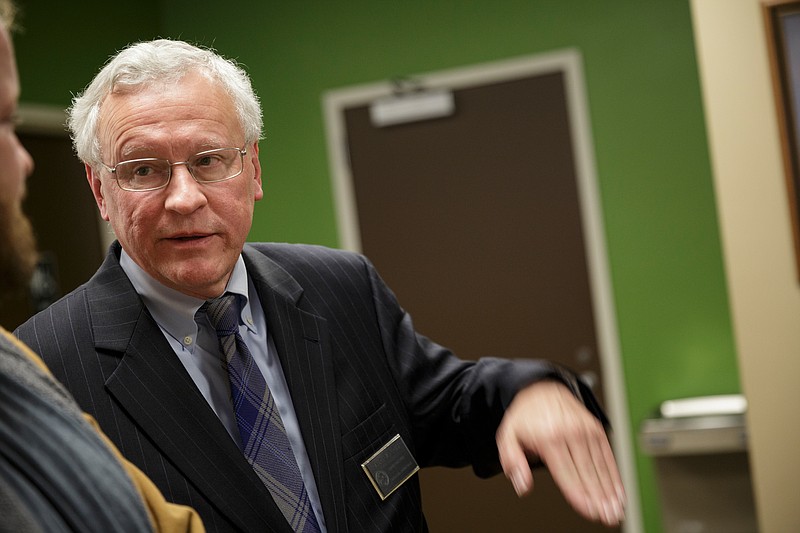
(61, 45)
(645, 109)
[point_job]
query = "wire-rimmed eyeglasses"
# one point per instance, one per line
(151, 173)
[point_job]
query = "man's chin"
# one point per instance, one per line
(18, 254)
(200, 280)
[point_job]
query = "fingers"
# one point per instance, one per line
(515, 464)
(589, 482)
(549, 423)
(612, 481)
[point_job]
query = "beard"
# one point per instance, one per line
(18, 254)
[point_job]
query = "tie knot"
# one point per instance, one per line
(223, 314)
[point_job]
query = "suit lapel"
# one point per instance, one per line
(302, 341)
(155, 390)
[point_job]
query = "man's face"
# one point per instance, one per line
(17, 246)
(187, 235)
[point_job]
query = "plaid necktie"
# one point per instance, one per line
(261, 430)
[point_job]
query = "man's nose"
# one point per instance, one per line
(184, 194)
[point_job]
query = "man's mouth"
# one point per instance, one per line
(185, 238)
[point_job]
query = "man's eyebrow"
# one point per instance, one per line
(135, 151)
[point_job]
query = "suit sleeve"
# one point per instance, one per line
(455, 406)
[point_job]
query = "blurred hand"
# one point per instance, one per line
(547, 422)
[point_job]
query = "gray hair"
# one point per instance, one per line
(161, 61)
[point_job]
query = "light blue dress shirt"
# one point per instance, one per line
(194, 341)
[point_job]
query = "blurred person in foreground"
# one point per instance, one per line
(275, 387)
(57, 471)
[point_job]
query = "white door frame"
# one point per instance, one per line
(569, 62)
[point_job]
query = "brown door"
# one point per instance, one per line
(474, 220)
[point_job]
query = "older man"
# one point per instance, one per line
(275, 387)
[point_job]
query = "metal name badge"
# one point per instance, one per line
(390, 467)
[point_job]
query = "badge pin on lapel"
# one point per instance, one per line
(390, 467)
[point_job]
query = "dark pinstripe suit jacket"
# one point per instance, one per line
(357, 372)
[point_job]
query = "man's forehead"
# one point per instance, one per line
(137, 120)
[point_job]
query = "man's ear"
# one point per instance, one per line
(252, 155)
(97, 190)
